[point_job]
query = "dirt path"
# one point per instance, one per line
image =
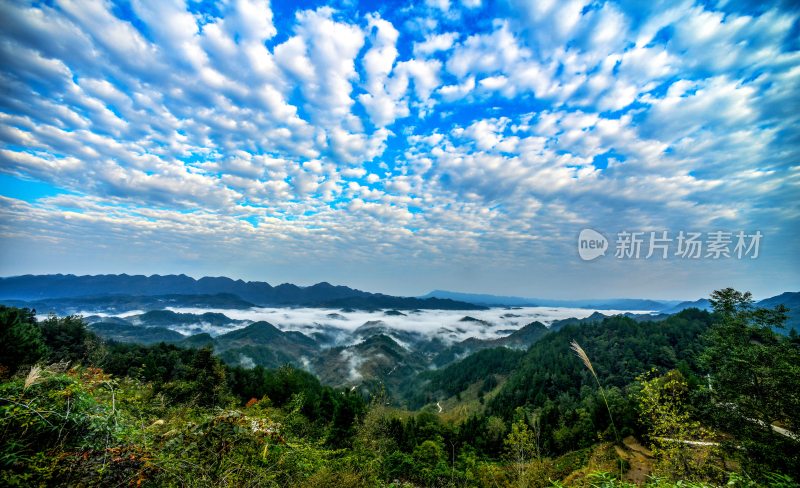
(638, 457)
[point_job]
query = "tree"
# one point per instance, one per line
(520, 448)
(211, 387)
(665, 413)
(67, 337)
(754, 380)
(430, 461)
(21, 342)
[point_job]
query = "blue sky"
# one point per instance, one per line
(400, 146)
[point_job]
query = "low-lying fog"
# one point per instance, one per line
(448, 325)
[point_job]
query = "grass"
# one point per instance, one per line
(34, 375)
(588, 363)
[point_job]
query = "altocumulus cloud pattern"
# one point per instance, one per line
(250, 137)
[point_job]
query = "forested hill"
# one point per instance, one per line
(621, 349)
(52, 290)
(549, 380)
(698, 399)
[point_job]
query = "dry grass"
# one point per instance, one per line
(34, 375)
(584, 357)
(588, 363)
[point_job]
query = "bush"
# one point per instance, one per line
(50, 412)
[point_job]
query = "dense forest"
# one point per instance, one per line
(697, 399)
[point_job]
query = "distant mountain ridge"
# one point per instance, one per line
(701, 304)
(511, 301)
(114, 304)
(790, 299)
(51, 289)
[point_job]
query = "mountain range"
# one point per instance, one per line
(511, 301)
(117, 293)
(121, 291)
(659, 308)
(371, 354)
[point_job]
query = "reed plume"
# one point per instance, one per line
(33, 376)
(588, 363)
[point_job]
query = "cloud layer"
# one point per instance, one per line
(445, 325)
(412, 146)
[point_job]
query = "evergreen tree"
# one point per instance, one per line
(21, 342)
(755, 382)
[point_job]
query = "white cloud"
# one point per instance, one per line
(428, 324)
(456, 92)
(435, 43)
(443, 5)
(424, 74)
(715, 104)
(382, 102)
(486, 53)
(357, 134)
(330, 47)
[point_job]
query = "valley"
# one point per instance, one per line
(384, 391)
(343, 347)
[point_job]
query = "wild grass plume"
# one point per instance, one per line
(588, 363)
(582, 354)
(34, 375)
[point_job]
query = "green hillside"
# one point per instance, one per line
(697, 399)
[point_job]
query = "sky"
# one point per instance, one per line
(404, 146)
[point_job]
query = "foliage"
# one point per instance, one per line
(456, 377)
(58, 413)
(162, 415)
(180, 375)
(320, 404)
(521, 448)
(67, 338)
(573, 411)
(21, 342)
(663, 403)
(754, 380)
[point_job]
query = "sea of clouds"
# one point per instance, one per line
(444, 324)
